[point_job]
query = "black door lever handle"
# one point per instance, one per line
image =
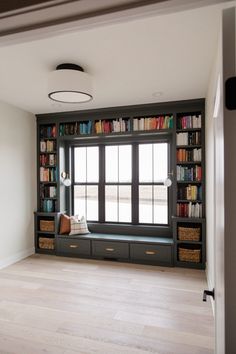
(208, 293)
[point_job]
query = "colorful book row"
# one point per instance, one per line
(47, 146)
(153, 123)
(112, 126)
(186, 155)
(48, 174)
(189, 193)
(189, 122)
(47, 160)
(76, 128)
(47, 192)
(184, 173)
(189, 210)
(48, 131)
(190, 138)
(48, 206)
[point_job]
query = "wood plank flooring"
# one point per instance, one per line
(62, 305)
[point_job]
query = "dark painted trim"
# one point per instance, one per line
(124, 111)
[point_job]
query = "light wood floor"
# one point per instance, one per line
(63, 305)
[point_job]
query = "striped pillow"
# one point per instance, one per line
(78, 226)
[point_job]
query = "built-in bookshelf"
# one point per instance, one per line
(96, 127)
(189, 222)
(180, 123)
(48, 168)
(46, 228)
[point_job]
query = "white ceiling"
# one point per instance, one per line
(129, 61)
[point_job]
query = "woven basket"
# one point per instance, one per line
(46, 225)
(46, 243)
(189, 255)
(189, 233)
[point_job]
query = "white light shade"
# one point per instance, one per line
(69, 86)
(67, 182)
(167, 182)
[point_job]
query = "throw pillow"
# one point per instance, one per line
(78, 226)
(64, 224)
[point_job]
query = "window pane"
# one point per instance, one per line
(111, 205)
(92, 203)
(125, 163)
(160, 162)
(145, 163)
(125, 203)
(111, 162)
(160, 205)
(145, 204)
(80, 164)
(92, 164)
(80, 200)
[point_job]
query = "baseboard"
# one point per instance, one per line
(210, 287)
(16, 257)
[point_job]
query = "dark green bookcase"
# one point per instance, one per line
(189, 187)
(72, 128)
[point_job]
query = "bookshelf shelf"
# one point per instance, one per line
(189, 162)
(189, 182)
(190, 190)
(189, 200)
(190, 242)
(189, 146)
(48, 189)
(46, 232)
(46, 228)
(188, 130)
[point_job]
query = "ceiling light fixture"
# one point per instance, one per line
(70, 84)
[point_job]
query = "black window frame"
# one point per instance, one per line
(117, 227)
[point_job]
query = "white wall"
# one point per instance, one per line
(210, 164)
(17, 183)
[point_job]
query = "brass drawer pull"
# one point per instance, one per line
(150, 252)
(74, 246)
(110, 249)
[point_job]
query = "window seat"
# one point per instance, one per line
(128, 248)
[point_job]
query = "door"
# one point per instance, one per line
(225, 196)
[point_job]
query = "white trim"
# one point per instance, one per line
(16, 257)
(72, 17)
(210, 287)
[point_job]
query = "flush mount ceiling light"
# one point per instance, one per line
(70, 84)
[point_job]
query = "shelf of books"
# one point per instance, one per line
(123, 125)
(48, 169)
(189, 222)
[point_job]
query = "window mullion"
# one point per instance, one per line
(135, 184)
(101, 188)
(72, 194)
(152, 183)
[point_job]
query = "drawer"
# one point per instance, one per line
(73, 246)
(109, 249)
(151, 253)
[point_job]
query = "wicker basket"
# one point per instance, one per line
(189, 254)
(46, 225)
(46, 243)
(189, 233)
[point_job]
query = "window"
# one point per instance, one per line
(118, 179)
(86, 181)
(121, 183)
(153, 196)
